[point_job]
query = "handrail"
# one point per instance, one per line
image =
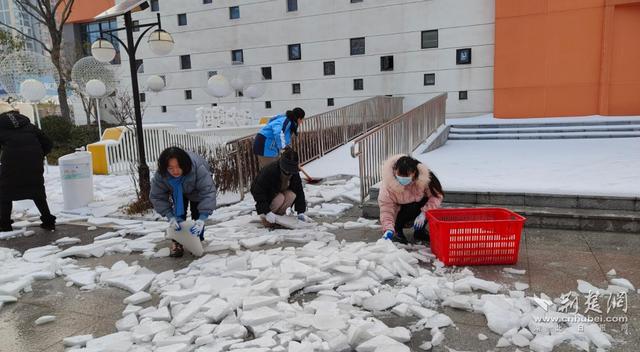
(400, 135)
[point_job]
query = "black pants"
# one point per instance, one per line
(195, 214)
(406, 216)
(41, 202)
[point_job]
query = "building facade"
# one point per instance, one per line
(12, 15)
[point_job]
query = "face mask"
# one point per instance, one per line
(404, 180)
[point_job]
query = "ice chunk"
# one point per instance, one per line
(503, 342)
(83, 278)
(131, 309)
(118, 342)
(596, 336)
(585, 287)
(379, 302)
(436, 337)
(514, 271)
(401, 310)
(161, 314)
(77, 341)
(259, 316)
(230, 330)
(500, 319)
(623, 283)
(137, 298)
(437, 321)
(378, 341)
(253, 302)
(422, 312)
(131, 283)
(519, 340)
(520, 286)
(190, 310)
(180, 347)
(325, 321)
(45, 319)
(64, 241)
(127, 323)
(459, 302)
(482, 337)
(162, 252)
(219, 309)
(8, 299)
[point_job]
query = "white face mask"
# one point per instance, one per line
(404, 181)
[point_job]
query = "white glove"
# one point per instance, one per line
(197, 228)
(419, 222)
(271, 218)
(175, 224)
(302, 217)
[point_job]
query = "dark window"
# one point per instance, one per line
(234, 12)
(329, 68)
(185, 62)
(266, 72)
(386, 63)
(207, 1)
(214, 104)
(354, 1)
(463, 56)
(330, 102)
(429, 79)
(358, 84)
(164, 78)
(143, 97)
(140, 65)
(182, 19)
(135, 26)
(155, 6)
(292, 5)
(212, 73)
(163, 108)
(188, 95)
(430, 39)
(357, 46)
(237, 57)
(294, 52)
(239, 93)
(295, 88)
(267, 105)
(462, 95)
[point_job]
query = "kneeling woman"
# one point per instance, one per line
(408, 190)
(183, 180)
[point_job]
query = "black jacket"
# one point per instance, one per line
(22, 148)
(267, 184)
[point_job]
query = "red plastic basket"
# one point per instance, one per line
(475, 236)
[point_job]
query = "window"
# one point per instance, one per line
(358, 84)
(463, 56)
(182, 19)
(266, 72)
(430, 39)
(330, 102)
(386, 63)
(163, 108)
(292, 5)
(135, 26)
(143, 97)
(329, 68)
(140, 65)
(185, 62)
(355, 1)
(357, 46)
(267, 104)
(237, 57)
(213, 105)
(462, 95)
(188, 95)
(234, 12)
(429, 79)
(295, 88)
(207, 1)
(211, 73)
(239, 93)
(90, 32)
(294, 52)
(155, 6)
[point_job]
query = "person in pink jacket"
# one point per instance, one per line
(408, 190)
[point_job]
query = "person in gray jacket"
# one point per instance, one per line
(183, 180)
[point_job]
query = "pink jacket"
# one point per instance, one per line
(393, 194)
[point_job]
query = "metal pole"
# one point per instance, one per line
(37, 115)
(143, 168)
(98, 118)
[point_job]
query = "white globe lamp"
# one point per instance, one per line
(155, 83)
(96, 88)
(33, 90)
(160, 42)
(103, 51)
(218, 86)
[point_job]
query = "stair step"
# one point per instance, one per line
(465, 131)
(567, 135)
(548, 124)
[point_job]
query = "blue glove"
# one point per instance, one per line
(418, 224)
(388, 235)
(175, 224)
(197, 228)
(304, 218)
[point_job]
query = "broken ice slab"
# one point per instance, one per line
(77, 341)
(127, 323)
(132, 283)
(190, 310)
(379, 341)
(45, 319)
(514, 271)
(259, 316)
(380, 302)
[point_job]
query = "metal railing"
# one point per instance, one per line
(401, 135)
(318, 135)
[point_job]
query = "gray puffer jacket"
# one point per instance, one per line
(198, 186)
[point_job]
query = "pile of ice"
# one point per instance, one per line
(250, 302)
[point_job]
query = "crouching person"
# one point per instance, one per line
(277, 187)
(183, 181)
(408, 190)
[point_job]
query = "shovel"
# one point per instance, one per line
(310, 180)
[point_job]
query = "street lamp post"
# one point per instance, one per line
(161, 43)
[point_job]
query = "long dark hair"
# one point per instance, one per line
(407, 165)
(435, 187)
(293, 116)
(183, 158)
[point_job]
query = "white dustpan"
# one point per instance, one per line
(190, 242)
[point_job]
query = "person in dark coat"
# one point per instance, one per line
(277, 187)
(23, 148)
(183, 181)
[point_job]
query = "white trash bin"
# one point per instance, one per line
(76, 176)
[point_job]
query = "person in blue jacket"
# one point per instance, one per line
(276, 135)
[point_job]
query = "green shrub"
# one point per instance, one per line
(58, 129)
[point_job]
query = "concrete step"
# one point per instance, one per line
(552, 135)
(548, 124)
(554, 218)
(542, 130)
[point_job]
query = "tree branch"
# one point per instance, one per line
(66, 13)
(29, 9)
(27, 36)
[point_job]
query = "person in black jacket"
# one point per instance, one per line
(23, 147)
(277, 187)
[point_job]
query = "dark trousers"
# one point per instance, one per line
(195, 214)
(41, 202)
(406, 216)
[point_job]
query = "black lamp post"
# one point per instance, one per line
(160, 42)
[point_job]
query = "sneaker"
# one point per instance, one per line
(48, 223)
(421, 236)
(399, 238)
(6, 228)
